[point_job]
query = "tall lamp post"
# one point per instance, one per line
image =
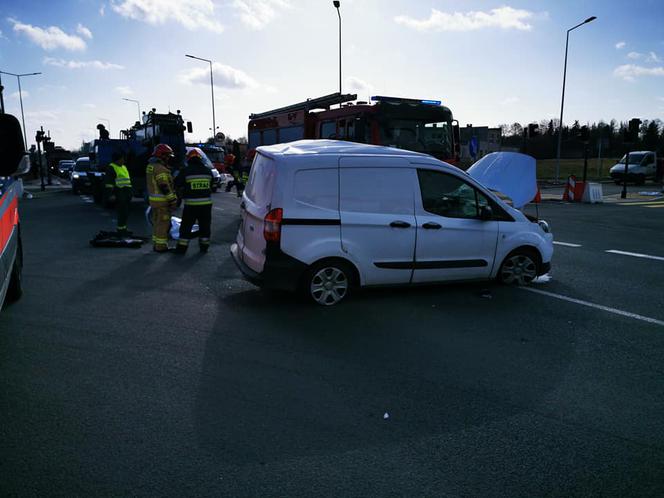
(214, 123)
(138, 104)
(562, 102)
(337, 5)
(20, 97)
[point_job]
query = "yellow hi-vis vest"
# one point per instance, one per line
(122, 179)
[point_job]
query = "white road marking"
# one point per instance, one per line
(566, 244)
(635, 255)
(219, 209)
(608, 309)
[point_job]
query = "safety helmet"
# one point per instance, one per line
(194, 152)
(163, 151)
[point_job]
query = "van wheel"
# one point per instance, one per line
(519, 268)
(15, 289)
(328, 282)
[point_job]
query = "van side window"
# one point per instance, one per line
(447, 195)
(328, 130)
(317, 188)
(650, 159)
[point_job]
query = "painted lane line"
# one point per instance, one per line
(566, 244)
(656, 206)
(608, 309)
(636, 255)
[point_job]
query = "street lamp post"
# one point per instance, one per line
(20, 97)
(137, 103)
(562, 102)
(214, 123)
(337, 5)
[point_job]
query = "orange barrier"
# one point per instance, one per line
(573, 190)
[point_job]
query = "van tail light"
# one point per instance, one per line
(272, 227)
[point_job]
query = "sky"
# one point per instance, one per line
(490, 62)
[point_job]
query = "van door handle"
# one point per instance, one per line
(400, 224)
(431, 226)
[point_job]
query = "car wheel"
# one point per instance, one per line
(328, 283)
(519, 268)
(15, 289)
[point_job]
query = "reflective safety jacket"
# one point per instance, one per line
(159, 182)
(194, 183)
(117, 176)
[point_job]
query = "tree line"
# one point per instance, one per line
(543, 143)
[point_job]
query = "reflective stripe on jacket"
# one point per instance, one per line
(194, 183)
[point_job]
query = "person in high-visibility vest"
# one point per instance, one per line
(194, 184)
(118, 189)
(161, 195)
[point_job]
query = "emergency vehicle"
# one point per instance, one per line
(13, 161)
(411, 124)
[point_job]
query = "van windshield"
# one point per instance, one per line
(634, 158)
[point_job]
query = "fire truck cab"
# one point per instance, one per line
(13, 161)
(412, 124)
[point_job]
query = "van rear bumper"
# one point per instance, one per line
(280, 272)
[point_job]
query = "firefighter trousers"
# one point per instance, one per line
(191, 215)
(161, 224)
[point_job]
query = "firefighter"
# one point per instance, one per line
(194, 185)
(118, 189)
(229, 162)
(161, 194)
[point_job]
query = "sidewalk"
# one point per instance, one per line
(33, 186)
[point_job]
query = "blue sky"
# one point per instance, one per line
(490, 62)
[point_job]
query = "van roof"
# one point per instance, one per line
(334, 147)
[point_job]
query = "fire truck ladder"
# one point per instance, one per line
(320, 103)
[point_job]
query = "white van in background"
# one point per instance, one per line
(325, 216)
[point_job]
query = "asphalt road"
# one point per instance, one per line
(124, 372)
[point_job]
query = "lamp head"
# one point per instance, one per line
(590, 19)
(336, 4)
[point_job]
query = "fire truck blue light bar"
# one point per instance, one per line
(397, 100)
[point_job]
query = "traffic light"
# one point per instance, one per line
(632, 131)
(533, 130)
(39, 137)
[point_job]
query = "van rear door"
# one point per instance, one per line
(256, 203)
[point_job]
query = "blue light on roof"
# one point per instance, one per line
(398, 100)
(432, 102)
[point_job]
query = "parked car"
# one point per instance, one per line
(325, 216)
(65, 167)
(81, 176)
(216, 176)
(642, 166)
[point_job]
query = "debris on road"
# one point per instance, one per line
(486, 294)
(386, 416)
(543, 279)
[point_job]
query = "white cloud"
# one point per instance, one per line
(634, 55)
(652, 57)
(43, 117)
(629, 72)
(15, 95)
(49, 38)
(620, 45)
(83, 31)
(224, 77)
(124, 90)
(359, 86)
(502, 17)
(50, 61)
(90, 106)
(256, 14)
(509, 101)
(102, 10)
(192, 14)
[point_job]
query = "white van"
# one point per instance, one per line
(325, 216)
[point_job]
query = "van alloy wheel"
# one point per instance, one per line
(519, 269)
(328, 286)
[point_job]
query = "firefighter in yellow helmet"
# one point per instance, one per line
(161, 193)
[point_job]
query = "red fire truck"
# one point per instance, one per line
(418, 125)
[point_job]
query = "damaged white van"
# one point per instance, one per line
(326, 216)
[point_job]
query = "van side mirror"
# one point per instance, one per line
(486, 213)
(12, 148)
(190, 128)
